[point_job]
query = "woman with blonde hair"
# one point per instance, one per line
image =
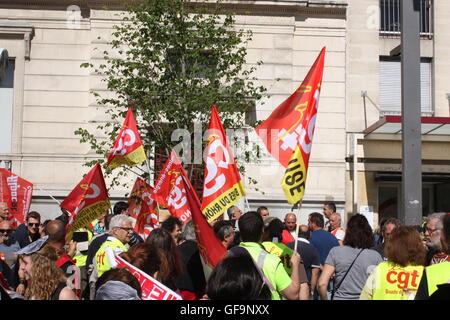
(45, 280)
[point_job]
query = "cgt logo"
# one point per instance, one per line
(403, 279)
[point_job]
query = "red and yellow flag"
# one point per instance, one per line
(87, 201)
(16, 193)
(289, 130)
(169, 190)
(222, 184)
(143, 208)
(128, 149)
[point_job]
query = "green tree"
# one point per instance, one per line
(177, 59)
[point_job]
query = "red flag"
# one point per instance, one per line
(128, 149)
(223, 185)
(292, 123)
(87, 201)
(169, 191)
(152, 289)
(209, 245)
(16, 193)
(143, 208)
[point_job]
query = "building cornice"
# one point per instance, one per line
(18, 30)
(336, 8)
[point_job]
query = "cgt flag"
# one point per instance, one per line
(128, 149)
(289, 130)
(16, 193)
(223, 185)
(143, 208)
(87, 201)
(169, 190)
(210, 247)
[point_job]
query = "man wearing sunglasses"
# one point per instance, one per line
(28, 232)
(7, 246)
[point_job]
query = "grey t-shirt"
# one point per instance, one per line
(341, 258)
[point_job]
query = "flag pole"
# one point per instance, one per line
(246, 202)
(298, 225)
(48, 193)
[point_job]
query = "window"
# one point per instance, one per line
(6, 102)
(390, 86)
(390, 17)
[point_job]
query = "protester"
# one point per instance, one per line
(273, 229)
(45, 280)
(81, 252)
(28, 232)
(386, 229)
(234, 214)
(42, 228)
(290, 223)
(398, 278)
(191, 282)
(225, 232)
(437, 276)
(237, 278)
(163, 240)
(99, 224)
(433, 229)
(173, 225)
(7, 246)
(118, 284)
(310, 257)
(119, 236)
(251, 228)
(335, 227)
(57, 239)
(322, 240)
(263, 212)
(4, 211)
(351, 262)
(121, 207)
(328, 209)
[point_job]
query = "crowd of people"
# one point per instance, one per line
(267, 258)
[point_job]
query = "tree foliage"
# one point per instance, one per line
(170, 61)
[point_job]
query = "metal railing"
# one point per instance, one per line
(390, 18)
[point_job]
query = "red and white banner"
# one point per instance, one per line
(87, 201)
(143, 208)
(128, 149)
(169, 190)
(16, 193)
(222, 184)
(152, 289)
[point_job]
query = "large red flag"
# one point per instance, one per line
(169, 191)
(128, 149)
(291, 124)
(143, 208)
(289, 130)
(16, 193)
(87, 201)
(223, 185)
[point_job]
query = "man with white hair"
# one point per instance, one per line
(335, 227)
(120, 230)
(433, 230)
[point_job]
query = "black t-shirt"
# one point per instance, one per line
(21, 236)
(310, 256)
(193, 278)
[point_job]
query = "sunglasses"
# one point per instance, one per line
(34, 224)
(5, 230)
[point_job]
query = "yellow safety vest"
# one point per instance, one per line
(437, 274)
(80, 259)
(281, 251)
(395, 282)
(101, 258)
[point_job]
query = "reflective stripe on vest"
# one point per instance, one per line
(395, 282)
(437, 274)
(101, 258)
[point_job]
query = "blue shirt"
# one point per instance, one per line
(323, 241)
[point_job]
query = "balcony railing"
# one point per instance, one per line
(390, 18)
